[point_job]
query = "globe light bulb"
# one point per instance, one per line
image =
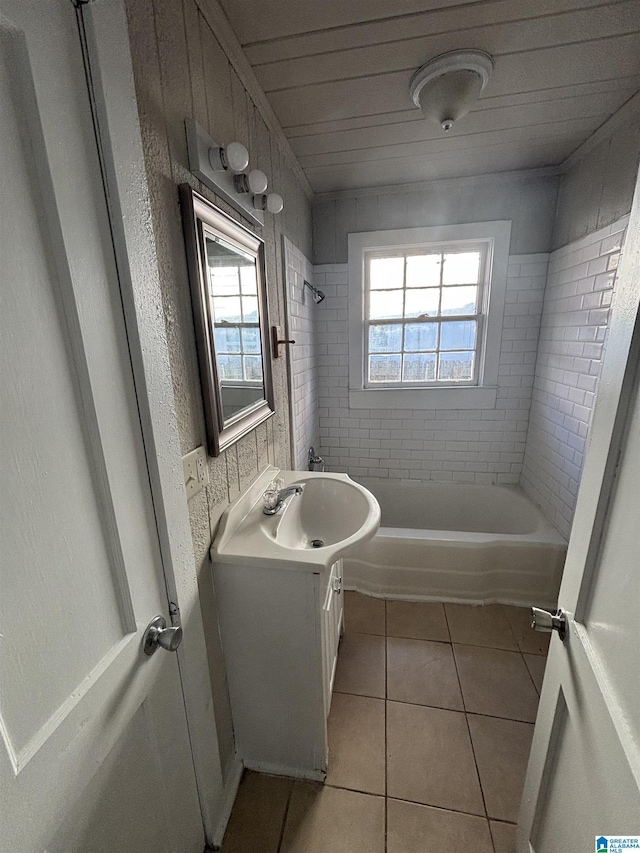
(236, 156)
(257, 181)
(275, 203)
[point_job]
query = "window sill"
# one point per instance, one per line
(475, 397)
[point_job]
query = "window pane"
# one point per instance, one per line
(224, 281)
(385, 338)
(386, 303)
(461, 268)
(253, 368)
(423, 271)
(459, 300)
(251, 340)
(419, 302)
(458, 335)
(386, 273)
(230, 366)
(456, 366)
(250, 309)
(384, 368)
(248, 280)
(420, 336)
(227, 339)
(419, 368)
(227, 308)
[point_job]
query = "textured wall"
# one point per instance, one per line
(598, 188)
(529, 202)
(181, 71)
(573, 330)
(467, 445)
(303, 367)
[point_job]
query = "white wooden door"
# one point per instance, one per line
(583, 780)
(94, 751)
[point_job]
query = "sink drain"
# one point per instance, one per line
(316, 543)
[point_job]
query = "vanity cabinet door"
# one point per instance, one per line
(331, 627)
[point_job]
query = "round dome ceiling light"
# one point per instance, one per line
(446, 88)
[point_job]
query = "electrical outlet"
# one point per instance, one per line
(196, 471)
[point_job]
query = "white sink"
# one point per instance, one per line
(312, 530)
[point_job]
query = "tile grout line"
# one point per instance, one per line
(535, 686)
(284, 818)
(466, 719)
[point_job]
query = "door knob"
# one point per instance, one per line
(545, 621)
(157, 634)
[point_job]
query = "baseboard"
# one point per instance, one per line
(285, 770)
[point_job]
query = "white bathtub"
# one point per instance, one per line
(458, 542)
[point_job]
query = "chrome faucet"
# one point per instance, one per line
(280, 497)
(315, 460)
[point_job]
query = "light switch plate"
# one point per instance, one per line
(196, 471)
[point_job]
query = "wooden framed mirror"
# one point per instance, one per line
(228, 295)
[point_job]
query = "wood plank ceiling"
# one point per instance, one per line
(337, 75)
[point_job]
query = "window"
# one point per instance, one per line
(423, 315)
(235, 309)
(426, 309)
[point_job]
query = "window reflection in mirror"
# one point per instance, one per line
(236, 320)
(226, 272)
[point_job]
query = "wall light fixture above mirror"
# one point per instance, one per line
(228, 295)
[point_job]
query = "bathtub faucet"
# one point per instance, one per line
(315, 460)
(280, 497)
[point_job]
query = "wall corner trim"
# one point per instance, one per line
(624, 116)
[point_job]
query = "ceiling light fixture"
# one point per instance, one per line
(446, 88)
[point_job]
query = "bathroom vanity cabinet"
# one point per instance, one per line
(280, 631)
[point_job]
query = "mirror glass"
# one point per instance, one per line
(229, 299)
(234, 298)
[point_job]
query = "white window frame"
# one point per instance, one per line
(480, 395)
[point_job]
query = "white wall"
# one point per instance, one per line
(527, 199)
(303, 370)
(485, 446)
(575, 320)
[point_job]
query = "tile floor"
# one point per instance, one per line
(429, 735)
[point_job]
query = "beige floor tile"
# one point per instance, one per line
(496, 682)
(480, 626)
(422, 829)
(322, 819)
(536, 665)
(258, 814)
(363, 614)
(504, 837)
(502, 750)
(361, 664)
(422, 672)
(530, 641)
(418, 620)
(429, 758)
(356, 743)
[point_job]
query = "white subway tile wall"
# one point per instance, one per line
(574, 323)
(303, 371)
(482, 446)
